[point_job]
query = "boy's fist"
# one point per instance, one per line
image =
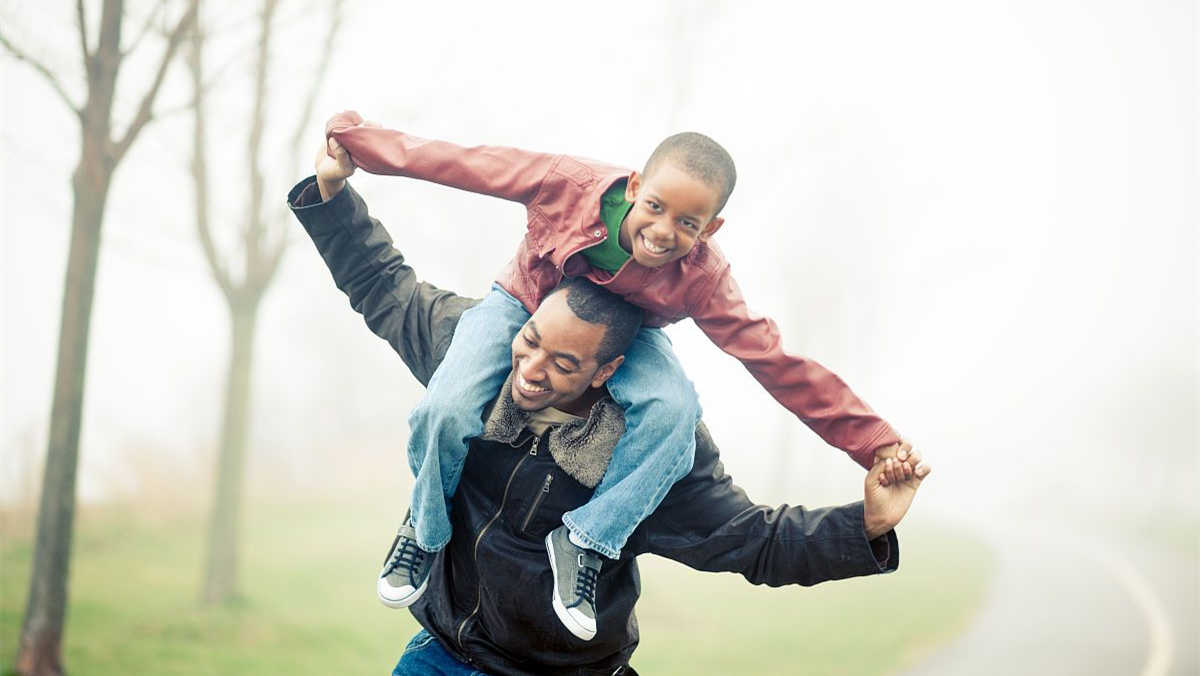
(907, 462)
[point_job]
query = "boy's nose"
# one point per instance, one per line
(661, 232)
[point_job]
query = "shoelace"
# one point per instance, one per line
(408, 557)
(585, 586)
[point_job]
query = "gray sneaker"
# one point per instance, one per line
(575, 572)
(405, 571)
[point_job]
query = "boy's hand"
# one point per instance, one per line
(334, 166)
(902, 452)
(884, 505)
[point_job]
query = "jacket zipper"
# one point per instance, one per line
(537, 502)
(475, 550)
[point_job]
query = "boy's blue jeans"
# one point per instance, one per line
(657, 449)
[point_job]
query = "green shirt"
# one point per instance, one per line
(608, 255)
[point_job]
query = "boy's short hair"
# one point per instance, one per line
(699, 156)
(597, 305)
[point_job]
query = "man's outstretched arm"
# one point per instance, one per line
(709, 523)
(416, 318)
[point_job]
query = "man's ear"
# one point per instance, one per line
(605, 372)
(711, 229)
(633, 186)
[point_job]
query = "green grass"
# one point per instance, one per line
(308, 604)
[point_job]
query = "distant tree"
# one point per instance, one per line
(261, 244)
(39, 652)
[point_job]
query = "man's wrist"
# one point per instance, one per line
(330, 188)
(874, 527)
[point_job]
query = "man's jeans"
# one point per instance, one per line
(424, 656)
(657, 449)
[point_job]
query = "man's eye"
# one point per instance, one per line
(529, 342)
(565, 370)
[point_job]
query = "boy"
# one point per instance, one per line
(645, 236)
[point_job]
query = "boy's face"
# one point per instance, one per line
(554, 358)
(672, 212)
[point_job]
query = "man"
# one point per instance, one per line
(526, 471)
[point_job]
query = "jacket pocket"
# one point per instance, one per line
(537, 502)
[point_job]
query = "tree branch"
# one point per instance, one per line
(42, 70)
(87, 54)
(146, 109)
(150, 20)
(195, 62)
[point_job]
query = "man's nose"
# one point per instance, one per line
(534, 367)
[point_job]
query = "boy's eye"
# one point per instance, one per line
(689, 225)
(653, 206)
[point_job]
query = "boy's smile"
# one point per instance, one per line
(672, 212)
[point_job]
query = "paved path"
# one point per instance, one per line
(1064, 602)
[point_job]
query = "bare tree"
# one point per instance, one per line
(40, 649)
(262, 243)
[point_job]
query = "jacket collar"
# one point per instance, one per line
(582, 449)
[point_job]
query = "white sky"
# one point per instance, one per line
(983, 216)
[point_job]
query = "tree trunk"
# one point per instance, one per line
(221, 578)
(40, 649)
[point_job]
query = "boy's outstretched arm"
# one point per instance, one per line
(813, 393)
(508, 173)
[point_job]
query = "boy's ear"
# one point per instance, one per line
(633, 186)
(711, 229)
(605, 372)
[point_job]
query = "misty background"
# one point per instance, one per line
(984, 217)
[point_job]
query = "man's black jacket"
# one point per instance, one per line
(488, 600)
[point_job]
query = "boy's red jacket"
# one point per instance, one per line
(562, 198)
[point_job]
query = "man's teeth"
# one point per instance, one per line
(524, 385)
(651, 248)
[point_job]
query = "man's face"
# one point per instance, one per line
(554, 358)
(672, 212)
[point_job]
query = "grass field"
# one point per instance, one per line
(308, 603)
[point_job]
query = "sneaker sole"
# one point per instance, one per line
(402, 603)
(569, 622)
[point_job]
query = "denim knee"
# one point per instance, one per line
(447, 407)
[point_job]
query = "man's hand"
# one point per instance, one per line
(885, 504)
(333, 166)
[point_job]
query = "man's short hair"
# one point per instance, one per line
(699, 156)
(597, 305)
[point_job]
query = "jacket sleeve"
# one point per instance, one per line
(415, 317)
(708, 523)
(813, 393)
(507, 173)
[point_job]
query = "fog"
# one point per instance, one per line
(983, 216)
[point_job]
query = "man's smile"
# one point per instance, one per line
(527, 388)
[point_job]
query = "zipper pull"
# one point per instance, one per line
(546, 486)
(533, 448)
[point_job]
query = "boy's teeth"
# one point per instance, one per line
(652, 248)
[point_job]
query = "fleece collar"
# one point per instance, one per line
(582, 449)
